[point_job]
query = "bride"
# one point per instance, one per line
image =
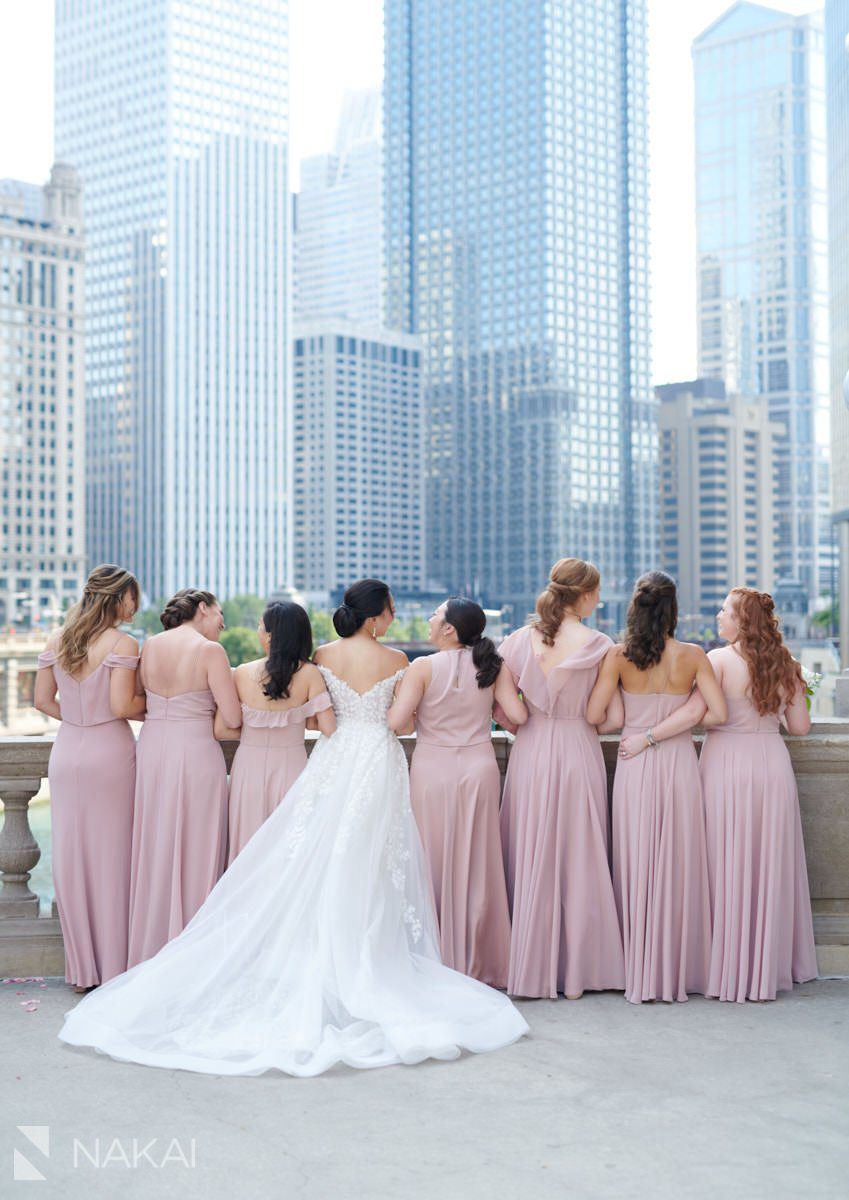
(319, 944)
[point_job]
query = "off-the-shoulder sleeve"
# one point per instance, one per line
(47, 658)
(130, 661)
(318, 704)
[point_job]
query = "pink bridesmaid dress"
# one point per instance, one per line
(92, 779)
(270, 757)
(455, 785)
(763, 937)
(554, 828)
(180, 823)
(660, 859)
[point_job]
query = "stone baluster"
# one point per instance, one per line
(19, 851)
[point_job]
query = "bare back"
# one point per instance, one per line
(674, 675)
(250, 678)
(571, 637)
(732, 671)
(361, 662)
(99, 648)
(177, 661)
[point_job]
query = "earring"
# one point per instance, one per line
(374, 630)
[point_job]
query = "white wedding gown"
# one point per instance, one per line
(319, 945)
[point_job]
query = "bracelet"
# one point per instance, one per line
(651, 739)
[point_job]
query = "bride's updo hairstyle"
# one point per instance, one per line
(364, 599)
(774, 675)
(183, 605)
(288, 626)
(569, 580)
(652, 617)
(469, 620)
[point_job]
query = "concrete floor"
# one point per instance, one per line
(603, 1099)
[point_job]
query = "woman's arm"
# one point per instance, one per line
(796, 716)
(508, 703)
(408, 696)
(124, 698)
(706, 697)
(324, 721)
(615, 718)
(46, 690)
(605, 687)
(220, 680)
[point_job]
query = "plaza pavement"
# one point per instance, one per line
(602, 1100)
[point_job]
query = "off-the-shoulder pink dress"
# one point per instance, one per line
(763, 937)
(554, 827)
(659, 859)
(270, 757)
(180, 823)
(92, 779)
(455, 787)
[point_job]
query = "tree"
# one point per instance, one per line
(322, 626)
(243, 611)
(148, 618)
(241, 644)
(827, 618)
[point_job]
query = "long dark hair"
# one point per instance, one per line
(363, 599)
(291, 645)
(652, 617)
(469, 620)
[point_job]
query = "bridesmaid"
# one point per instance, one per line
(455, 784)
(659, 854)
(554, 816)
(180, 824)
(92, 772)
(763, 938)
(278, 695)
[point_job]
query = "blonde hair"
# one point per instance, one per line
(568, 580)
(98, 609)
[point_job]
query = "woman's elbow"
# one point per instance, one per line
(520, 715)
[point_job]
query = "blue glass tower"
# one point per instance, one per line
(516, 225)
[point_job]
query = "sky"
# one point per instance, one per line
(337, 45)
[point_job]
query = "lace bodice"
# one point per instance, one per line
(371, 707)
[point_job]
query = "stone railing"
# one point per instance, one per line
(31, 944)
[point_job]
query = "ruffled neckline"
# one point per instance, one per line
(265, 718)
(542, 690)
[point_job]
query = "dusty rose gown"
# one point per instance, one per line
(180, 823)
(270, 757)
(455, 787)
(763, 937)
(660, 859)
(566, 934)
(92, 779)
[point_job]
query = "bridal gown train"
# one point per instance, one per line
(319, 945)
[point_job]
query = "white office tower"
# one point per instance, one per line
(42, 398)
(175, 113)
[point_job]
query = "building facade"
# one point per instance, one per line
(762, 252)
(837, 84)
(175, 114)
(516, 219)
(717, 478)
(357, 479)
(338, 226)
(42, 398)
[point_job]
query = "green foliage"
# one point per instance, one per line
(243, 611)
(241, 644)
(148, 618)
(322, 626)
(827, 618)
(414, 630)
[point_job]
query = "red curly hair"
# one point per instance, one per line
(773, 672)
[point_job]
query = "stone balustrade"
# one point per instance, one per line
(31, 944)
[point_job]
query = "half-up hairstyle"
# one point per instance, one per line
(364, 599)
(469, 621)
(290, 631)
(183, 605)
(774, 675)
(569, 580)
(652, 617)
(98, 609)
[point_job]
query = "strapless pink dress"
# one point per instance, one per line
(763, 937)
(92, 781)
(270, 757)
(180, 823)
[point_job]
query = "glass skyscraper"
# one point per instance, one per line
(762, 252)
(174, 112)
(517, 246)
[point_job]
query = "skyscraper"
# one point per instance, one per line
(837, 85)
(762, 251)
(175, 114)
(338, 221)
(42, 397)
(516, 218)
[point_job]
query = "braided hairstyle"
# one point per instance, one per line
(652, 617)
(774, 675)
(183, 605)
(469, 621)
(568, 581)
(98, 609)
